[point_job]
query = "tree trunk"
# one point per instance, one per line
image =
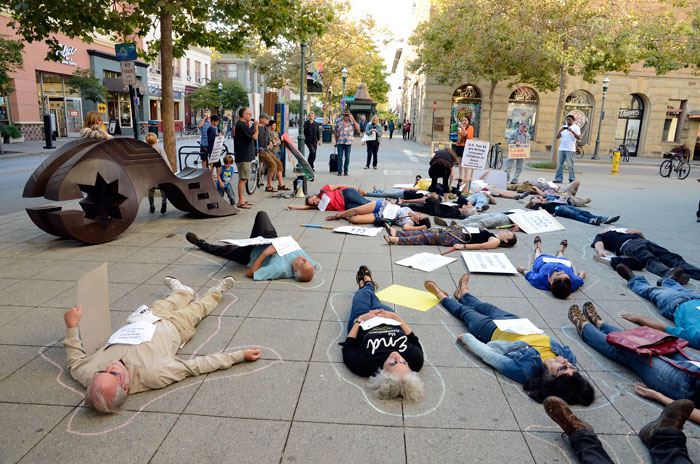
(563, 83)
(492, 93)
(167, 105)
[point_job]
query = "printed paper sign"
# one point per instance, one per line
(563, 261)
(142, 313)
(475, 154)
(491, 177)
(449, 203)
(133, 334)
(128, 69)
(377, 320)
(364, 231)
(490, 263)
(254, 105)
(427, 262)
(216, 150)
(323, 204)
(517, 326)
(369, 137)
(471, 230)
(285, 245)
(518, 151)
(621, 230)
(390, 211)
(403, 186)
(248, 241)
(536, 222)
(93, 295)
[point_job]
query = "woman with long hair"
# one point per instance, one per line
(92, 127)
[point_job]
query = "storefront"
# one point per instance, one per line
(63, 103)
(466, 102)
(629, 121)
(155, 94)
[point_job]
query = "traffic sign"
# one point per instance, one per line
(128, 72)
(434, 106)
(125, 52)
(101, 108)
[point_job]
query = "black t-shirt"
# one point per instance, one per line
(243, 143)
(482, 237)
(366, 354)
(442, 158)
(613, 240)
(434, 207)
(548, 206)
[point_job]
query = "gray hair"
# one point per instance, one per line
(95, 398)
(387, 385)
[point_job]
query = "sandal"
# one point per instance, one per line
(270, 189)
(388, 240)
(362, 272)
(388, 229)
(538, 242)
(243, 205)
(564, 243)
(283, 187)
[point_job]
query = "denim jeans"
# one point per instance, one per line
(576, 214)
(667, 297)
(567, 156)
(667, 446)
(262, 227)
(363, 302)
(657, 259)
(392, 193)
(343, 150)
(660, 376)
(353, 199)
(518, 168)
(588, 448)
(477, 315)
(478, 200)
(228, 190)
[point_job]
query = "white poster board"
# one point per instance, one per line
(325, 201)
(475, 154)
(364, 231)
(491, 177)
(517, 326)
(427, 262)
(536, 222)
(248, 241)
(285, 245)
(490, 263)
(254, 105)
(216, 150)
(516, 151)
(403, 186)
(93, 295)
(133, 334)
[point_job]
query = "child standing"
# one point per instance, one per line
(152, 140)
(226, 177)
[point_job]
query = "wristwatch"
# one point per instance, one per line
(357, 321)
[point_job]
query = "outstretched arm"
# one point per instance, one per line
(493, 358)
(646, 392)
(300, 207)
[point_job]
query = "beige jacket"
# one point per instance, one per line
(152, 365)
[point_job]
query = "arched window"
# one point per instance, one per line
(522, 106)
(466, 101)
(580, 104)
(629, 121)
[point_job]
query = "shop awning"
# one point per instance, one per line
(115, 84)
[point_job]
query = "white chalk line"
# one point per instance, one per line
(362, 390)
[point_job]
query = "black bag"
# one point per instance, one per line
(333, 162)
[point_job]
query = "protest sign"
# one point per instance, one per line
(536, 222)
(490, 263)
(93, 295)
(285, 245)
(364, 231)
(133, 334)
(475, 154)
(516, 151)
(325, 201)
(427, 262)
(517, 326)
(216, 150)
(248, 241)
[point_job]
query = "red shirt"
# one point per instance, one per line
(337, 202)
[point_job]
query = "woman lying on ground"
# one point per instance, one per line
(432, 205)
(658, 374)
(545, 367)
(562, 209)
(554, 273)
(341, 198)
(381, 346)
(458, 238)
(382, 209)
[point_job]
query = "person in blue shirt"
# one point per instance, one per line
(554, 273)
(545, 367)
(262, 261)
(676, 303)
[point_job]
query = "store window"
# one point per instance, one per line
(55, 97)
(672, 124)
(522, 106)
(176, 67)
(206, 71)
(4, 112)
(189, 74)
(177, 111)
(466, 101)
(119, 108)
(579, 104)
(232, 72)
(154, 66)
(153, 110)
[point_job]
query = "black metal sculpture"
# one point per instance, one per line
(110, 177)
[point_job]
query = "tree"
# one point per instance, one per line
(88, 85)
(233, 95)
(10, 60)
(182, 25)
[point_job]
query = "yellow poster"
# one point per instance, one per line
(408, 297)
(518, 151)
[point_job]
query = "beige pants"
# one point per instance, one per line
(184, 313)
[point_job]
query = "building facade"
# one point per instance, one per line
(241, 69)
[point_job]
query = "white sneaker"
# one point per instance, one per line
(173, 284)
(224, 285)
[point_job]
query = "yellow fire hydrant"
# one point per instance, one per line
(615, 162)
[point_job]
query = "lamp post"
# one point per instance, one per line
(606, 83)
(343, 73)
(301, 100)
(221, 102)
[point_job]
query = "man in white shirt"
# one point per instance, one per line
(569, 134)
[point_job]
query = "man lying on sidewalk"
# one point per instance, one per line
(118, 369)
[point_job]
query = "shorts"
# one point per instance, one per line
(243, 170)
(204, 154)
(271, 161)
(378, 209)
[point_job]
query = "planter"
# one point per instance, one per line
(19, 139)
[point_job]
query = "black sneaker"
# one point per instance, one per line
(194, 240)
(673, 416)
(163, 208)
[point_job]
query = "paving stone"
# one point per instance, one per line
(24, 425)
(292, 339)
(213, 334)
(36, 327)
(13, 357)
(33, 292)
(290, 304)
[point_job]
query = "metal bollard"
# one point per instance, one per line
(615, 163)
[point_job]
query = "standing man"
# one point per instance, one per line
(244, 151)
(344, 133)
(373, 145)
(274, 165)
(312, 137)
(519, 137)
(403, 129)
(569, 134)
(407, 135)
(391, 129)
(204, 124)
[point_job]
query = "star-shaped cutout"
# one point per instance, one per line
(102, 200)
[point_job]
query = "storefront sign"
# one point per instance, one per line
(66, 53)
(74, 114)
(518, 151)
(125, 52)
(630, 114)
(101, 108)
(128, 72)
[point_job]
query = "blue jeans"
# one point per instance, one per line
(363, 302)
(343, 150)
(228, 190)
(567, 156)
(392, 193)
(576, 214)
(478, 200)
(518, 169)
(660, 376)
(667, 298)
(477, 315)
(353, 199)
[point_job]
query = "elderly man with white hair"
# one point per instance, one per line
(116, 370)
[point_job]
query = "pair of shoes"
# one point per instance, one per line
(676, 274)
(345, 174)
(270, 189)
(224, 285)
(366, 167)
(462, 287)
(374, 167)
(175, 285)
(522, 195)
(163, 208)
(673, 416)
(559, 412)
(152, 209)
(610, 220)
(340, 174)
(577, 318)
(363, 272)
(624, 271)
(597, 221)
(482, 208)
(440, 221)
(194, 240)
(592, 315)
(284, 187)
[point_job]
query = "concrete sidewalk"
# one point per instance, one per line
(299, 403)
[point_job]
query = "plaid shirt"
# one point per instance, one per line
(345, 131)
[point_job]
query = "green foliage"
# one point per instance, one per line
(10, 60)
(10, 132)
(233, 95)
(542, 165)
(385, 115)
(88, 85)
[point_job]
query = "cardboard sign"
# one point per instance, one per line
(475, 154)
(93, 295)
(254, 105)
(490, 263)
(536, 222)
(216, 150)
(435, 146)
(426, 262)
(518, 151)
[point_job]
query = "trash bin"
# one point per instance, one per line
(327, 135)
(153, 127)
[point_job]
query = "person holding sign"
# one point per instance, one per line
(381, 346)
(521, 352)
(334, 198)
(263, 261)
(382, 209)
(135, 361)
(215, 164)
(554, 273)
(441, 167)
(521, 138)
(459, 239)
(465, 132)
(569, 134)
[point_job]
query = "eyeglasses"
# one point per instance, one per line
(563, 368)
(110, 373)
(393, 363)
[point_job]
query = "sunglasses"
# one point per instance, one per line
(393, 363)
(563, 368)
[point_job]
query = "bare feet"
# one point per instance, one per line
(435, 290)
(391, 240)
(462, 287)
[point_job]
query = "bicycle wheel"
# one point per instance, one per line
(665, 168)
(499, 159)
(252, 182)
(579, 152)
(683, 169)
(491, 157)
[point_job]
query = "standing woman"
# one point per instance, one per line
(92, 127)
(312, 137)
(466, 132)
(373, 145)
(441, 167)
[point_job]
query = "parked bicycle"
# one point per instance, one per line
(256, 174)
(496, 156)
(579, 151)
(678, 163)
(191, 129)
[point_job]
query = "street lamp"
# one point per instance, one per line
(343, 73)
(221, 103)
(606, 83)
